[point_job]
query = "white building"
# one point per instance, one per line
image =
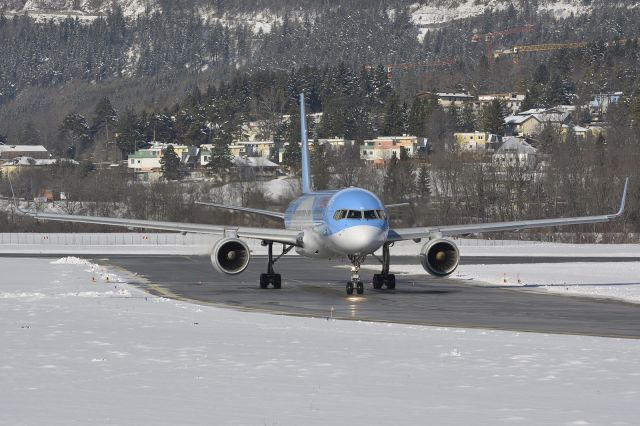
(148, 159)
(515, 151)
(513, 101)
(32, 151)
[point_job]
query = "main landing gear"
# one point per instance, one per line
(355, 282)
(385, 278)
(271, 278)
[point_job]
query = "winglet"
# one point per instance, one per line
(306, 172)
(624, 198)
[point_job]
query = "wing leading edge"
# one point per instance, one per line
(268, 234)
(268, 213)
(453, 230)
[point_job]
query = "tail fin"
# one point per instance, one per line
(306, 170)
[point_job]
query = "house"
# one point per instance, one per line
(476, 141)
(255, 168)
(515, 151)
(582, 134)
(20, 163)
(530, 122)
(145, 160)
(600, 102)
(257, 148)
(513, 101)
(8, 152)
(335, 144)
(522, 125)
(448, 99)
(148, 159)
(378, 151)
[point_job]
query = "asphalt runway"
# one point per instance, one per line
(317, 288)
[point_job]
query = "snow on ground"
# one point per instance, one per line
(479, 247)
(125, 357)
(615, 280)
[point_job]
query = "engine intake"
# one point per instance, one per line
(439, 257)
(230, 256)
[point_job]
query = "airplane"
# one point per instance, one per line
(350, 222)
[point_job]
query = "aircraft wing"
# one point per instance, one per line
(268, 213)
(284, 236)
(477, 228)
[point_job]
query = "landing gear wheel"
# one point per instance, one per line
(378, 281)
(360, 287)
(390, 281)
(264, 281)
(277, 281)
(349, 288)
(271, 277)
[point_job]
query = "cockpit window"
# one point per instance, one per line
(370, 214)
(359, 214)
(340, 214)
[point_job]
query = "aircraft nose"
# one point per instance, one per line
(360, 239)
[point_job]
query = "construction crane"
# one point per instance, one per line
(528, 48)
(488, 38)
(406, 66)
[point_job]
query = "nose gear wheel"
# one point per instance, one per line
(355, 282)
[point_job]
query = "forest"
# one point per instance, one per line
(97, 91)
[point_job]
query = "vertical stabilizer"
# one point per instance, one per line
(306, 170)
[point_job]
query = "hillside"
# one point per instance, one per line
(64, 55)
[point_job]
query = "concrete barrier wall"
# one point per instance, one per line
(112, 243)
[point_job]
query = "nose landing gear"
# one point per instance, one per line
(355, 282)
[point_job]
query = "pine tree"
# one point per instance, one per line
(390, 184)
(104, 118)
(319, 166)
(29, 135)
(220, 163)
(493, 116)
(468, 118)
(292, 157)
(424, 183)
(128, 136)
(170, 164)
(75, 129)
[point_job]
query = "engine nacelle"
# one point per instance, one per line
(230, 256)
(439, 257)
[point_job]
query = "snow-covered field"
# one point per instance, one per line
(79, 351)
(614, 280)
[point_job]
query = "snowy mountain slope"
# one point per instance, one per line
(425, 14)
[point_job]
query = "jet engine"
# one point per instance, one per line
(230, 256)
(439, 257)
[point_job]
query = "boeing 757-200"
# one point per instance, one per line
(350, 222)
